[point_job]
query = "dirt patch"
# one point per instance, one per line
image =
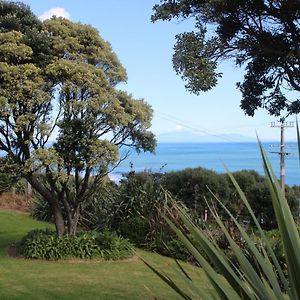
(15, 202)
(11, 250)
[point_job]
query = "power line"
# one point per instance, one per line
(185, 124)
(203, 130)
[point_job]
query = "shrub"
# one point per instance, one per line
(113, 246)
(258, 194)
(190, 186)
(40, 209)
(135, 229)
(100, 211)
(46, 244)
(141, 201)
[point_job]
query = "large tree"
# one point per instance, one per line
(263, 36)
(62, 118)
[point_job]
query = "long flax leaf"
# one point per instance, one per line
(194, 288)
(168, 281)
(284, 212)
(287, 227)
(216, 257)
(260, 230)
(222, 288)
(245, 281)
(250, 273)
(263, 261)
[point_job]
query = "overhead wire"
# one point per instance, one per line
(185, 124)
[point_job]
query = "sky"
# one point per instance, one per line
(145, 50)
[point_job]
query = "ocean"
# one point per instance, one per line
(236, 156)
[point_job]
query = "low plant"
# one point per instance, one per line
(46, 244)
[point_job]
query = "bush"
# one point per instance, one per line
(134, 209)
(141, 203)
(190, 186)
(46, 244)
(136, 230)
(100, 211)
(40, 209)
(257, 192)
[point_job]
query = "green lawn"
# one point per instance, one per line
(33, 279)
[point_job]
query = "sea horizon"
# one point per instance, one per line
(176, 156)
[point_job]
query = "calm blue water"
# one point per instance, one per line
(236, 156)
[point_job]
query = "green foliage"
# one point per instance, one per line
(46, 244)
(61, 76)
(98, 212)
(40, 209)
(258, 194)
(136, 229)
(175, 248)
(9, 174)
(260, 36)
(113, 246)
(261, 277)
(190, 186)
(141, 202)
(134, 208)
(275, 241)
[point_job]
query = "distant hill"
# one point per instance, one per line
(190, 137)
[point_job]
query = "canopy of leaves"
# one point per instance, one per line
(263, 36)
(61, 113)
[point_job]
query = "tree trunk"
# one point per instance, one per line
(73, 218)
(54, 203)
(58, 220)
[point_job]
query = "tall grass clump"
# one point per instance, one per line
(256, 274)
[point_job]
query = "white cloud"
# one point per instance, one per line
(55, 11)
(179, 128)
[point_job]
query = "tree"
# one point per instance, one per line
(62, 118)
(263, 36)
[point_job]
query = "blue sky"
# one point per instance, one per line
(145, 49)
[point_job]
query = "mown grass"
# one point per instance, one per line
(34, 279)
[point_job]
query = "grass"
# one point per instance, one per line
(33, 279)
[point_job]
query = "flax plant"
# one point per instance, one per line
(263, 280)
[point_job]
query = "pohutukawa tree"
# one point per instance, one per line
(263, 36)
(62, 118)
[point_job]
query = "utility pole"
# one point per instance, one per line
(282, 125)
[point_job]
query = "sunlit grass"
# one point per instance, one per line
(35, 279)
